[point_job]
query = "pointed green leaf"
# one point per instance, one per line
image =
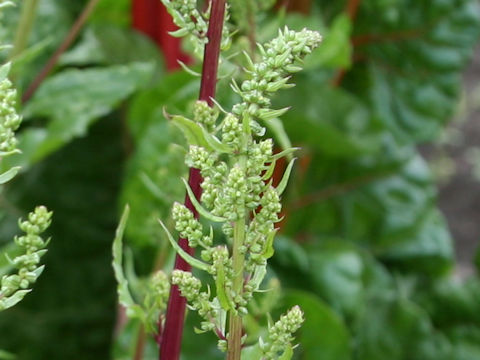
(269, 251)
(9, 175)
(193, 132)
(202, 211)
(179, 33)
(222, 296)
(269, 114)
(183, 254)
(14, 299)
(124, 296)
(287, 354)
(216, 144)
(283, 183)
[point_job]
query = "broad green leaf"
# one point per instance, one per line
(398, 329)
(115, 12)
(413, 55)
(337, 272)
(72, 100)
(107, 44)
(329, 120)
(156, 157)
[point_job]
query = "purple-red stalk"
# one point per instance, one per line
(170, 335)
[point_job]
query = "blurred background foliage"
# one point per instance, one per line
(363, 248)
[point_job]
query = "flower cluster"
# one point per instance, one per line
(15, 287)
(279, 59)
(280, 334)
(193, 23)
(9, 119)
(238, 193)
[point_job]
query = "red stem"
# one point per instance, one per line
(171, 338)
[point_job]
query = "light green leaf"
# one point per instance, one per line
(201, 210)
(323, 335)
(223, 298)
(192, 131)
(14, 299)
(184, 255)
(286, 176)
(73, 100)
(9, 175)
(124, 296)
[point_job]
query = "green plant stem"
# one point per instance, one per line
(24, 29)
(235, 320)
(238, 258)
(141, 341)
(71, 36)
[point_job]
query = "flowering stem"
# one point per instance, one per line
(235, 320)
(171, 337)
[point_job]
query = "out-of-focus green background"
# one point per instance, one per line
(386, 116)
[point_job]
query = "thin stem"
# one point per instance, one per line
(171, 337)
(24, 29)
(71, 36)
(141, 341)
(235, 320)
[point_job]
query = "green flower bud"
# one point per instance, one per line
(9, 119)
(205, 115)
(281, 333)
(186, 224)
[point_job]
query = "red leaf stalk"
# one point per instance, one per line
(171, 337)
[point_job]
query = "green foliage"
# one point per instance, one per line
(364, 249)
(96, 93)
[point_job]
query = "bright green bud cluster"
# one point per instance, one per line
(205, 115)
(271, 74)
(186, 224)
(232, 203)
(14, 287)
(190, 288)
(158, 293)
(232, 131)
(238, 193)
(9, 119)
(280, 335)
(192, 22)
(199, 158)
